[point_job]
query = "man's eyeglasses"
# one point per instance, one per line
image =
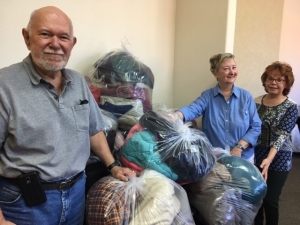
(278, 80)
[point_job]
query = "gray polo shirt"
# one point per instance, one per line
(40, 131)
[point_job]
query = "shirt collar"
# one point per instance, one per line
(35, 76)
(235, 91)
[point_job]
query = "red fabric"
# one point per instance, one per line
(131, 165)
(107, 204)
(130, 91)
(137, 127)
(96, 92)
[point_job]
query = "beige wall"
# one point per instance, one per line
(175, 38)
(257, 32)
(257, 40)
(290, 42)
(99, 26)
(200, 33)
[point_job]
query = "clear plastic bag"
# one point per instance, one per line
(165, 144)
(230, 194)
(295, 139)
(122, 85)
(127, 111)
(150, 198)
(120, 74)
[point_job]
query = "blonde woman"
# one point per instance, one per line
(230, 118)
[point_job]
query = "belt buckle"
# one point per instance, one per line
(64, 185)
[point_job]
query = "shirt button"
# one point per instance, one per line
(55, 97)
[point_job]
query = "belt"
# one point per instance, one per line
(63, 185)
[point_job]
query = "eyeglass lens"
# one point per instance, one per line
(278, 80)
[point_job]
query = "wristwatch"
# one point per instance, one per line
(115, 163)
(240, 146)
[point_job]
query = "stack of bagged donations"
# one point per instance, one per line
(177, 165)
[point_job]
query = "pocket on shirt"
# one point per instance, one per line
(81, 115)
(243, 116)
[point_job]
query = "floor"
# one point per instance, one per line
(289, 205)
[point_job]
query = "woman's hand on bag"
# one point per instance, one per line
(236, 152)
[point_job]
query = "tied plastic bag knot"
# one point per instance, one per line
(185, 132)
(150, 198)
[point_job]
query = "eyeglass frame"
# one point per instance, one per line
(277, 81)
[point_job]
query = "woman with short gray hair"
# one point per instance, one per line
(230, 119)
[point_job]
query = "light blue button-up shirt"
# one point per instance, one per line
(227, 122)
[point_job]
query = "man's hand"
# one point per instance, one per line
(122, 173)
(3, 221)
(100, 148)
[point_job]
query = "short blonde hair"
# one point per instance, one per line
(218, 59)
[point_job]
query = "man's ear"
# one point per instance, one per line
(25, 34)
(74, 40)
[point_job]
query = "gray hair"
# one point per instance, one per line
(30, 22)
(218, 59)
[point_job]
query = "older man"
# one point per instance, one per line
(48, 123)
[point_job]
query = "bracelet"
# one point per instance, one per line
(240, 146)
(115, 163)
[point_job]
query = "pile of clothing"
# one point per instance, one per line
(122, 85)
(150, 198)
(167, 153)
(231, 193)
(162, 142)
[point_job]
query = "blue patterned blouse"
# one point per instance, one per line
(277, 123)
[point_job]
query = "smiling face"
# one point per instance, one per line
(49, 38)
(275, 83)
(227, 72)
(283, 73)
